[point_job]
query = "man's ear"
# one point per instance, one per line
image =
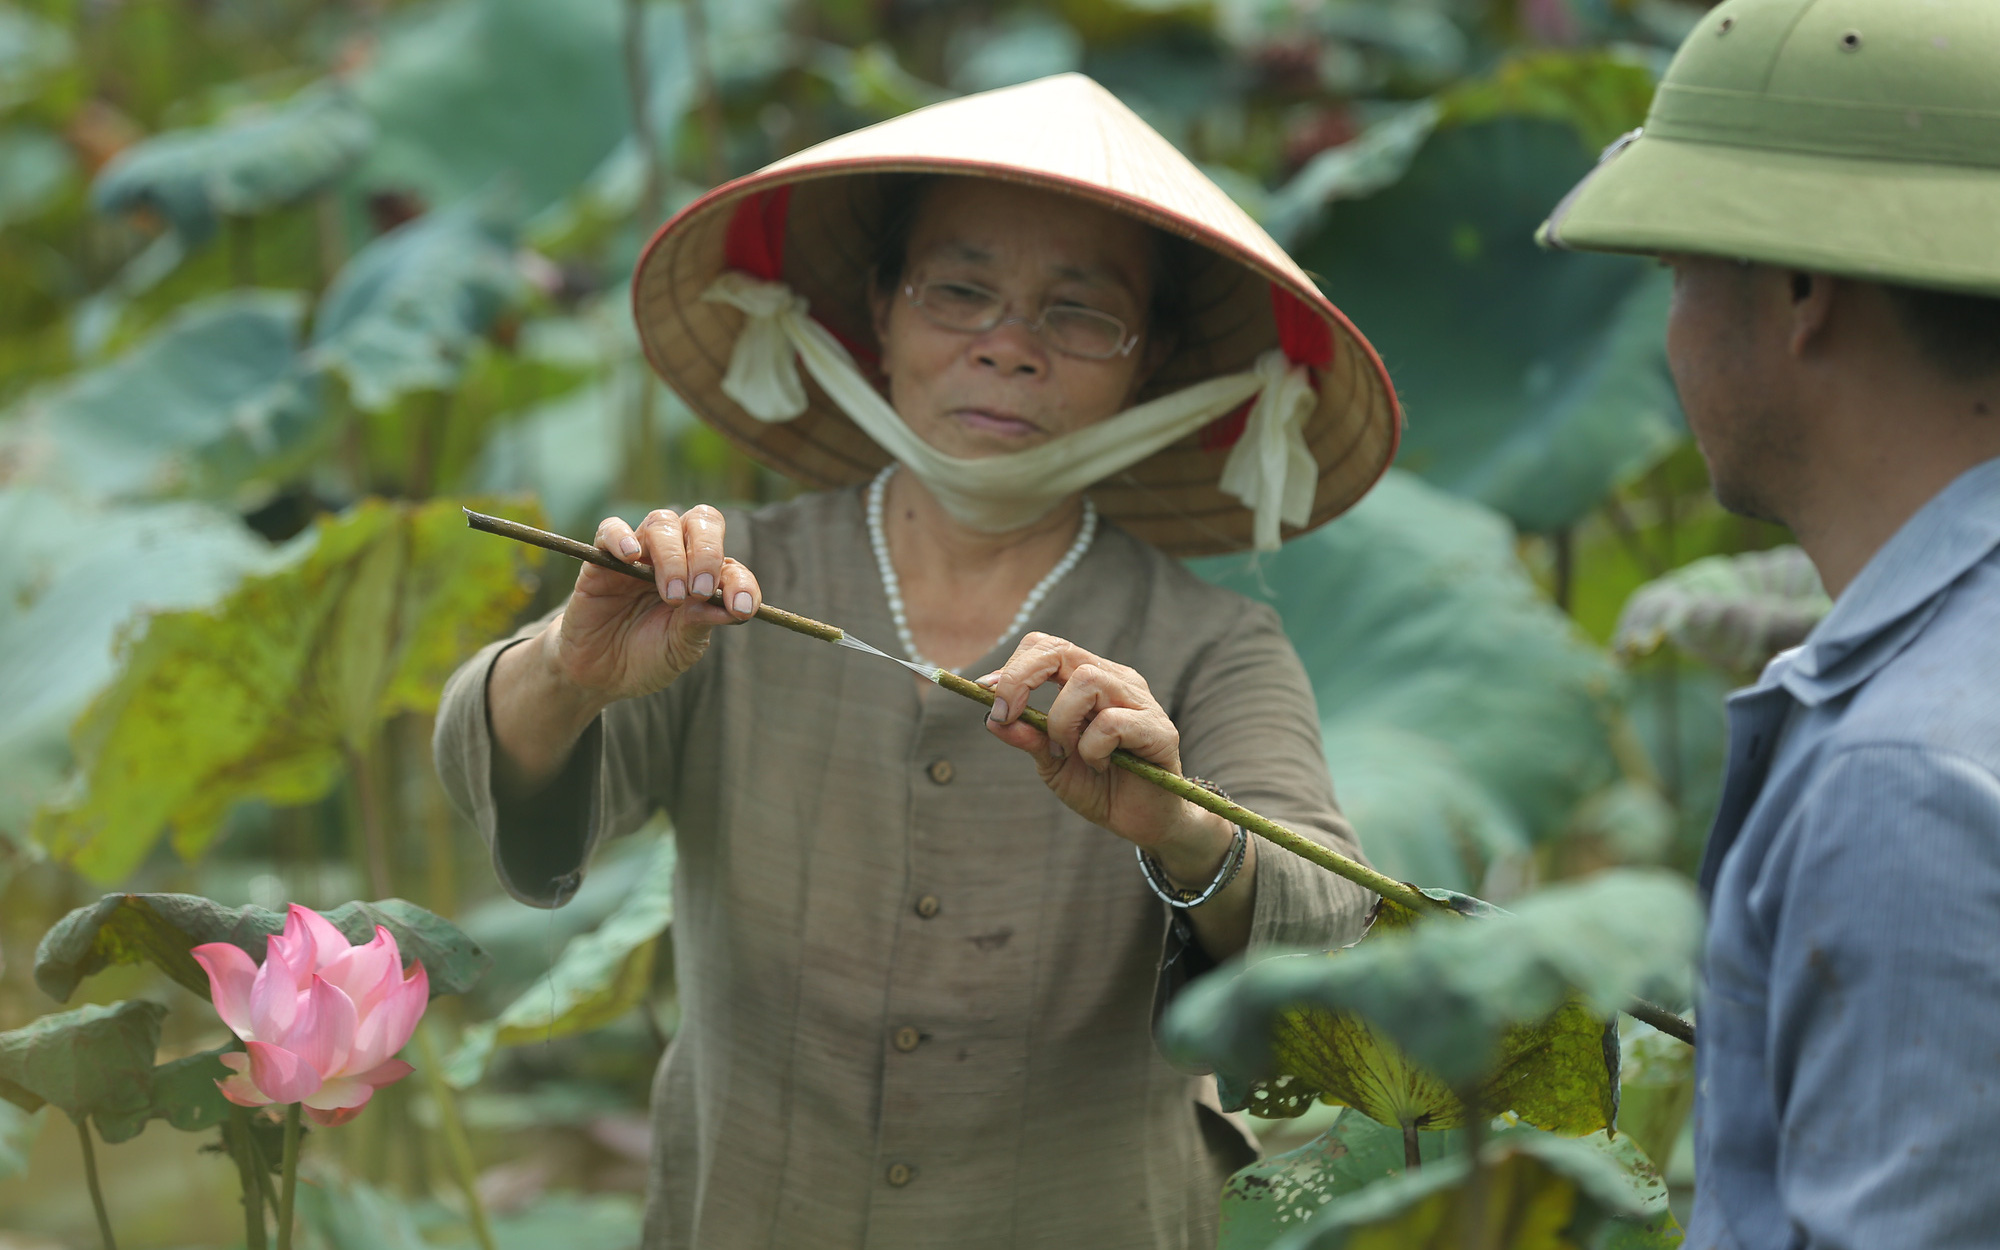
(1813, 296)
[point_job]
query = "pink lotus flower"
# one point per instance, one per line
(321, 1020)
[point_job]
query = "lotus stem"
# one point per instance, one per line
(237, 1132)
(96, 1188)
(1413, 1154)
(289, 1183)
(456, 1143)
(1271, 831)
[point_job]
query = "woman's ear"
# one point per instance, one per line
(881, 300)
(1159, 349)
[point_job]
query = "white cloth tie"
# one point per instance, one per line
(1270, 469)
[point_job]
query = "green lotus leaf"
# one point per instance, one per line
(59, 616)
(1540, 1192)
(403, 313)
(601, 975)
(212, 401)
(255, 160)
(1535, 382)
(161, 929)
(1463, 717)
(273, 692)
(1734, 612)
(95, 1062)
(1508, 1008)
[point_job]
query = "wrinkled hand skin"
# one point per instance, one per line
(619, 640)
(1101, 707)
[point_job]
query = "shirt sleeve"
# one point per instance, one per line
(1884, 1022)
(1249, 724)
(612, 783)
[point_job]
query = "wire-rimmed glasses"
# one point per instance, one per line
(973, 309)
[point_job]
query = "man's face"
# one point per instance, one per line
(1727, 339)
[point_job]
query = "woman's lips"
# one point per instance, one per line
(987, 421)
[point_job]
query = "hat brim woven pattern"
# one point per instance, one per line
(1069, 135)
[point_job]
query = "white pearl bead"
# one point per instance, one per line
(892, 588)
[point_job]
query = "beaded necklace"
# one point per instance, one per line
(879, 541)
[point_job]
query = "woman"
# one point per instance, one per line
(917, 973)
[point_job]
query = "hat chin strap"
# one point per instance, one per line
(1270, 469)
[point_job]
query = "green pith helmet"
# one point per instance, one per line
(1852, 137)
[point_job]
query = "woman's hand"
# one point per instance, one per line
(1101, 708)
(619, 638)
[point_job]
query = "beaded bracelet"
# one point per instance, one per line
(1171, 894)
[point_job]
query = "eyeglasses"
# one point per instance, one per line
(972, 309)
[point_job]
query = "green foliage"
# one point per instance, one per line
(475, 93)
(1274, 1202)
(1463, 717)
(1555, 1066)
(211, 402)
(1734, 612)
(18, 1129)
(1506, 1007)
(94, 1062)
(1655, 1090)
(1600, 94)
(59, 614)
(1279, 1194)
(1535, 1192)
(34, 169)
(280, 687)
(1535, 382)
(601, 976)
(30, 47)
(247, 164)
(161, 929)
(403, 313)
(185, 1093)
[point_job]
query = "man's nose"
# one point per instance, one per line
(1012, 350)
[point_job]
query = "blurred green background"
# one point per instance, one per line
(284, 281)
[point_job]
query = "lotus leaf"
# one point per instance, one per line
(274, 691)
(162, 928)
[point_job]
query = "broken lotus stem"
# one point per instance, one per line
(1270, 830)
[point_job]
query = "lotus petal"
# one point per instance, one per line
(231, 973)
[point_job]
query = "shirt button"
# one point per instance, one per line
(900, 1174)
(928, 905)
(941, 771)
(907, 1039)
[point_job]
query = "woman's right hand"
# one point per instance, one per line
(620, 638)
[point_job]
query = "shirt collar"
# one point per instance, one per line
(1897, 592)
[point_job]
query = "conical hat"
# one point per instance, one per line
(813, 219)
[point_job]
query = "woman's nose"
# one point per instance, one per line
(1011, 348)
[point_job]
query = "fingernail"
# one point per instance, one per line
(629, 548)
(704, 585)
(743, 602)
(1055, 750)
(677, 589)
(988, 680)
(999, 712)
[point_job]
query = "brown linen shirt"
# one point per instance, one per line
(918, 991)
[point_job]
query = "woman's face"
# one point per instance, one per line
(1006, 389)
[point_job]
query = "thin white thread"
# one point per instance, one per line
(926, 671)
(892, 587)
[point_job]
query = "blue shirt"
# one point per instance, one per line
(1848, 1072)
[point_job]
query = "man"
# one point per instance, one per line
(1824, 178)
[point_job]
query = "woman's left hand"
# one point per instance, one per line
(1102, 707)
